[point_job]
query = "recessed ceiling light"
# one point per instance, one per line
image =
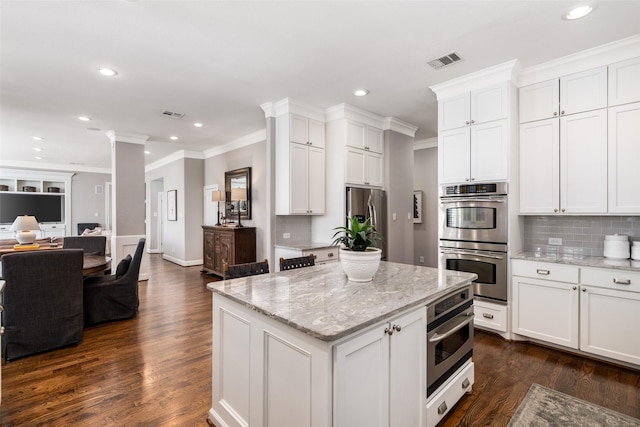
(38, 158)
(578, 12)
(109, 72)
(84, 118)
(174, 138)
(37, 138)
(37, 149)
(198, 124)
(147, 152)
(360, 92)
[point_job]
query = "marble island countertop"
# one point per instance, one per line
(579, 260)
(322, 303)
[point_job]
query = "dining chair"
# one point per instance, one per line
(247, 269)
(297, 262)
(96, 245)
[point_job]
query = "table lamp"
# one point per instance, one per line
(239, 194)
(217, 196)
(23, 226)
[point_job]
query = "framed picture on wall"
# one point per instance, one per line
(172, 205)
(417, 207)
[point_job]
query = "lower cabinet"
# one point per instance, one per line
(268, 374)
(595, 313)
(385, 365)
(491, 316)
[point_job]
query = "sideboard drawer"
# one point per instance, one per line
(611, 278)
(545, 271)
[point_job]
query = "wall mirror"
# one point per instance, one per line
(239, 178)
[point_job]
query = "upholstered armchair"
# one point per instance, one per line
(42, 301)
(114, 297)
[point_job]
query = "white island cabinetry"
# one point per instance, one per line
(307, 347)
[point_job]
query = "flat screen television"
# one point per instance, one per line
(45, 207)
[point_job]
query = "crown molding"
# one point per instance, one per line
(175, 156)
(131, 138)
(252, 138)
(348, 111)
(292, 106)
(506, 71)
(52, 167)
(397, 125)
(425, 143)
(269, 109)
(619, 50)
(38, 174)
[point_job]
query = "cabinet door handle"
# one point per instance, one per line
(487, 315)
(330, 255)
(442, 408)
(466, 383)
(543, 272)
(621, 281)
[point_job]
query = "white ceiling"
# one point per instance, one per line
(217, 61)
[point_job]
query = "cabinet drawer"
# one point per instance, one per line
(610, 278)
(324, 254)
(545, 270)
(490, 316)
(442, 402)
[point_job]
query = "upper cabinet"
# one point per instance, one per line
(571, 94)
(300, 165)
(306, 131)
(475, 107)
(474, 135)
(364, 156)
(624, 154)
(624, 82)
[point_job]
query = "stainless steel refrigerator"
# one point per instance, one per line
(369, 203)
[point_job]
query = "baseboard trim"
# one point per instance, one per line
(181, 262)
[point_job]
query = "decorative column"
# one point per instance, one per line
(128, 201)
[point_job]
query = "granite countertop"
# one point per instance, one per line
(307, 246)
(579, 260)
(321, 302)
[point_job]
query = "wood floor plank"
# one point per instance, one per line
(155, 370)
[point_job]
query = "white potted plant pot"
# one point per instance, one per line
(360, 266)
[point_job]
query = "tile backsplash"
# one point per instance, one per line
(581, 235)
(298, 227)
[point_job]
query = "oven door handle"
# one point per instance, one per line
(444, 202)
(472, 254)
(440, 337)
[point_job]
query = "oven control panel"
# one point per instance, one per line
(475, 189)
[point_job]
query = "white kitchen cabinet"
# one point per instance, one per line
(563, 165)
(441, 403)
(474, 153)
(624, 82)
(365, 137)
(623, 156)
(492, 316)
(585, 308)
(475, 107)
(363, 167)
(306, 131)
(300, 166)
(569, 94)
(385, 365)
(546, 310)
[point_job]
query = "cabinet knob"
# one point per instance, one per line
(388, 331)
(574, 288)
(555, 210)
(562, 112)
(562, 209)
(442, 408)
(397, 327)
(473, 179)
(473, 121)
(584, 289)
(555, 113)
(467, 122)
(366, 148)
(466, 383)
(466, 179)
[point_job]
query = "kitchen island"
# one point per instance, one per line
(307, 347)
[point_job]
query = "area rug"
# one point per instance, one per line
(545, 407)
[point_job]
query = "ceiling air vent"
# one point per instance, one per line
(449, 59)
(172, 114)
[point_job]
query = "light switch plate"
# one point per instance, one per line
(286, 235)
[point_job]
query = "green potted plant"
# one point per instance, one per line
(359, 257)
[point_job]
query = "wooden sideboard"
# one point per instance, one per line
(227, 244)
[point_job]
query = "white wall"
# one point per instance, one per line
(425, 236)
(85, 202)
(253, 156)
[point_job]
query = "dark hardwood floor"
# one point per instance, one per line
(155, 370)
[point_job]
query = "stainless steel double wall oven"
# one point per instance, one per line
(473, 235)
